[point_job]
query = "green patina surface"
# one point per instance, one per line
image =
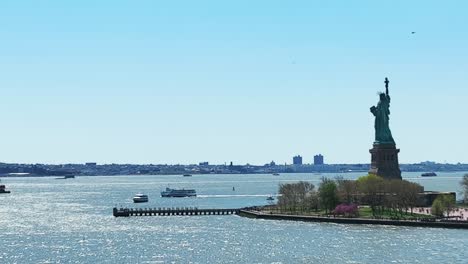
(383, 135)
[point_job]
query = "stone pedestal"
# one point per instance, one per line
(385, 161)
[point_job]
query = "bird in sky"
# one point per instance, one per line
(413, 32)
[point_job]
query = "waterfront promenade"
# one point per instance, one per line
(362, 221)
(458, 213)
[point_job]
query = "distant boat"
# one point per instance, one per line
(270, 198)
(178, 193)
(187, 175)
(140, 198)
(276, 174)
(66, 177)
(2, 189)
(428, 174)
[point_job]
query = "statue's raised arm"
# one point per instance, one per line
(386, 86)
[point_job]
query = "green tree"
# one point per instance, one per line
(372, 191)
(443, 204)
(328, 195)
(449, 203)
(437, 208)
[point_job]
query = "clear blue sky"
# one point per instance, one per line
(243, 81)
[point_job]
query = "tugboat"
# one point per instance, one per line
(428, 174)
(178, 193)
(2, 189)
(140, 198)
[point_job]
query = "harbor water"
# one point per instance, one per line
(45, 220)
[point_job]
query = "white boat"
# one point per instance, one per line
(140, 198)
(270, 198)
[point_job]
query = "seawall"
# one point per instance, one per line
(362, 221)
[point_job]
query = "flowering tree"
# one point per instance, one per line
(346, 210)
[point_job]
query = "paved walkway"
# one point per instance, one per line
(462, 213)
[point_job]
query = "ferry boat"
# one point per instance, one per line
(140, 198)
(178, 193)
(2, 189)
(428, 174)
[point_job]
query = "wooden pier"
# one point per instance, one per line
(185, 211)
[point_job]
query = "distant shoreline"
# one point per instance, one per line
(25, 175)
(94, 169)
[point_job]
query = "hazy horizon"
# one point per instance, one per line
(249, 82)
(216, 164)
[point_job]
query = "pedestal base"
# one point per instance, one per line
(385, 161)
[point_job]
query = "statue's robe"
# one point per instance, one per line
(382, 116)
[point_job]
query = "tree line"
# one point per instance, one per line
(389, 197)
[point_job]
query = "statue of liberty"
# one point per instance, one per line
(383, 135)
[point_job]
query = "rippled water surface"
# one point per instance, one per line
(45, 220)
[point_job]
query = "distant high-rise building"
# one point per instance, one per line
(297, 160)
(318, 159)
(204, 163)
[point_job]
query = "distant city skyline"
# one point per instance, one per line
(249, 82)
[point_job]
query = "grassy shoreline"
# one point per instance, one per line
(363, 213)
